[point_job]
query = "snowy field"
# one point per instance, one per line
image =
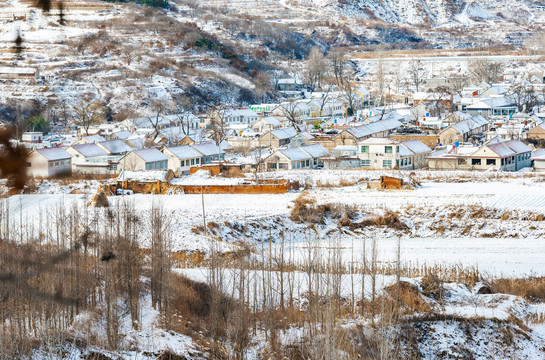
(512, 250)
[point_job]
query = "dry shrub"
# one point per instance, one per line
(305, 210)
(96, 356)
(432, 286)
(169, 355)
(197, 230)
(531, 289)
(409, 297)
(190, 302)
(213, 227)
(390, 219)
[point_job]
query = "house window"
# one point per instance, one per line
(409, 161)
(182, 163)
(192, 161)
(273, 166)
(461, 161)
(197, 161)
(397, 149)
(490, 161)
(307, 163)
(387, 163)
(148, 166)
(366, 163)
(365, 149)
(475, 161)
(388, 149)
(502, 162)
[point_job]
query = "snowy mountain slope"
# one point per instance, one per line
(430, 12)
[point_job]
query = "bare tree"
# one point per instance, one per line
(158, 108)
(524, 97)
(416, 73)
(316, 69)
(184, 107)
(87, 113)
(484, 69)
(218, 126)
(262, 84)
(457, 83)
(129, 53)
(290, 112)
(326, 97)
(338, 64)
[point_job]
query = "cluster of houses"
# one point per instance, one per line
(481, 127)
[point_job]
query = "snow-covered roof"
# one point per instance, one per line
(244, 112)
(54, 154)
(94, 139)
(122, 135)
(539, 153)
(375, 127)
(501, 150)
(115, 146)
(151, 155)
(271, 120)
(345, 148)
(282, 134)
(470, 124)
(415, 146)
(315, 150)
(137, 141)
(89, 150)
(184, 152)
(517, 146)
(403, 151)
(207, 149)
(378, 141)
(295, 154)
(495, 102)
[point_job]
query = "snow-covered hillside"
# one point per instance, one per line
(431, 12)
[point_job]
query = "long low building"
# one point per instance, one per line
(511, 155)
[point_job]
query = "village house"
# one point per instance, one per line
(510, 155)
(354, 135)
(210, 152)
(182, 158)
(503, 106)
(463, 130)
(378, 153)
(413, 155)
(277, 138)
(537, 133)
(32, 137)
(304, 157)
(145, 159)
(92, 159)
(538, 159)
(49, 162)
(240, 116)
(266, 123)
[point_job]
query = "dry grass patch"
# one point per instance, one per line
(531, 289)
(390, 219)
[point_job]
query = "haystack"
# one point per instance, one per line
(99, 200)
